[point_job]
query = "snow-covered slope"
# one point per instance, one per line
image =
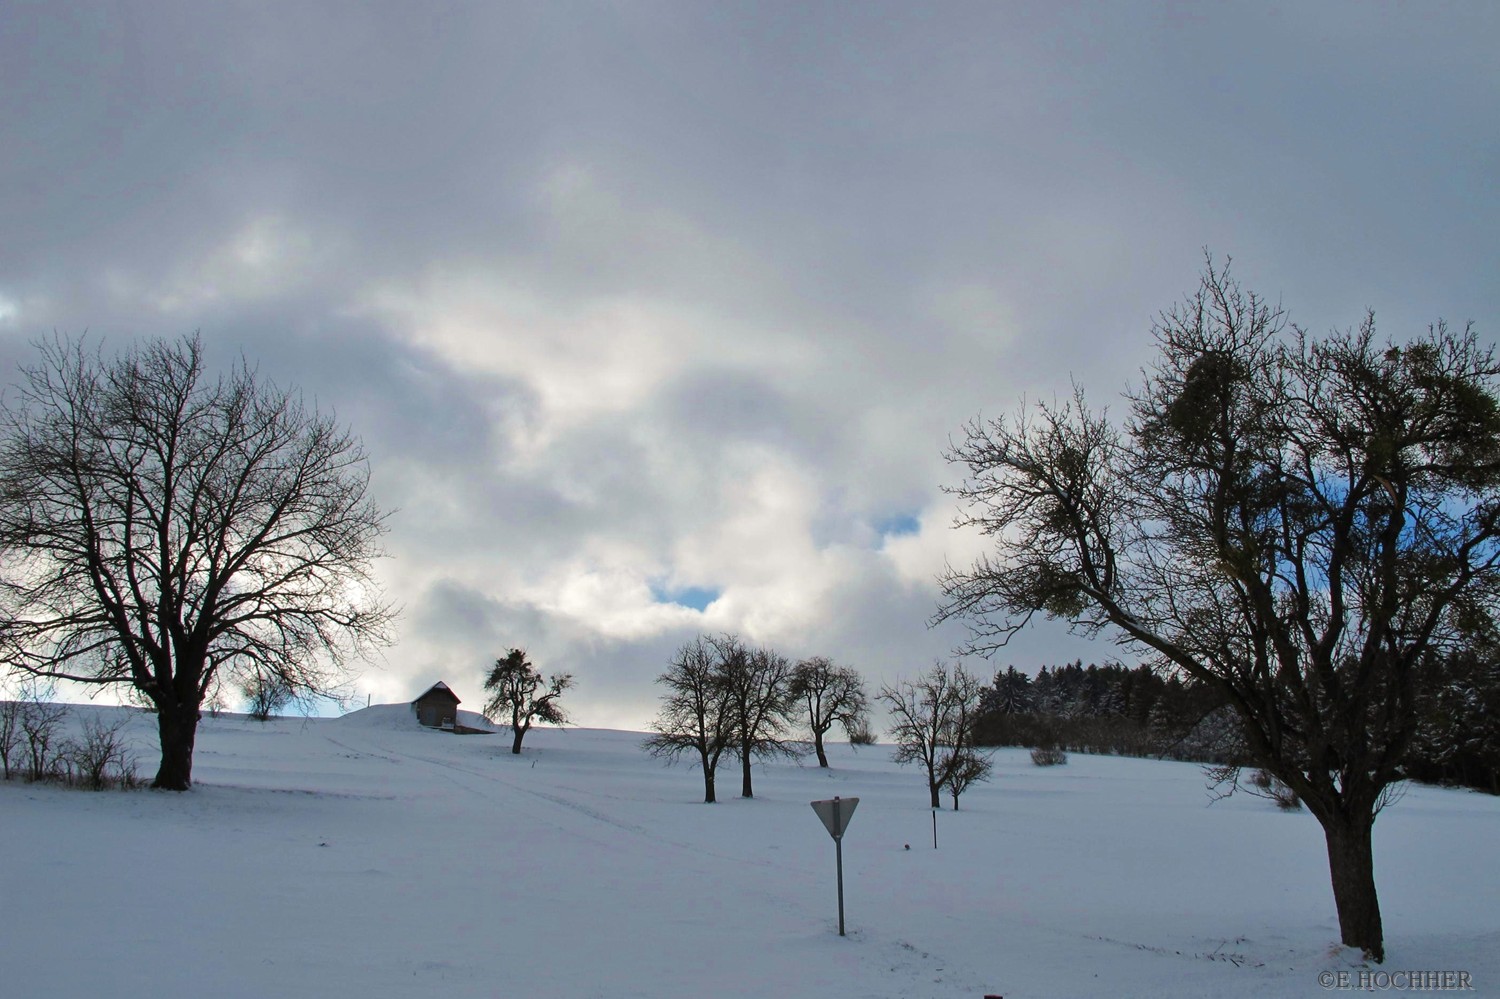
(366, 857)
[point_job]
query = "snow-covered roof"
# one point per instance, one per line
(441, 689)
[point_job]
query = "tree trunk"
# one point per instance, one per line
(745, 790)
(517, 734)
(1351, 863)
(177, 727)
(935, 791)
(818, 746)
(708, 784)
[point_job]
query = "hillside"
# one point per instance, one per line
(365, 857)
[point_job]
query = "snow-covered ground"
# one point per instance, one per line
(365, 857)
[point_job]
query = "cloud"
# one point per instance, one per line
(656, 319)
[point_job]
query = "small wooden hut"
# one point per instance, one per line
(438, 707)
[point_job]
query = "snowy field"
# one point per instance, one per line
(365, 857)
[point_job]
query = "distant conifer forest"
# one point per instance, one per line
(1119, 710)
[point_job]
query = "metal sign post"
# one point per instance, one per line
(835, 815)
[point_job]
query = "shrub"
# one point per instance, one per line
(1265, 784)
(1048, 756)
(99, 756)
(39, 722)
(1286, 799)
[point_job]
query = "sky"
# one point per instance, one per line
(656, 318)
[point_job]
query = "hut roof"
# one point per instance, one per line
(439, 689)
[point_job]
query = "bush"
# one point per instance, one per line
(1268, 785)
(99, 756)
(39, 721)
(96, 758)
(1265, 784)
(1286, 799)
(1048, 756)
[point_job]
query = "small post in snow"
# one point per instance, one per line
(835, 815)
(934, 828)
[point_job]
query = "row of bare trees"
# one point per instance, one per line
(724, 696)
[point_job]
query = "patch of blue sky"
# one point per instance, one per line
(898, 525)
(696, 597)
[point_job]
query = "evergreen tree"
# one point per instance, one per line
(1011, 693)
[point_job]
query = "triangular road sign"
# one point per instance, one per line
(835, 814)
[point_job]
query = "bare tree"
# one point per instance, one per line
(159, 527)
(264, 693)
(40, 720)
(830, 695)
(932, 720)
(963, 768)
(1302, 524)
(961, 764)
(10, 735)
(215, 701)
(758, 681)
(695, 714)
(521, 694)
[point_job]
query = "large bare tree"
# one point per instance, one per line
(1305, 524)
(759, 682)
(695, 716)
(161, 527)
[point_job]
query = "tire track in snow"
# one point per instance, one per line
(488, 779)
(446, 768)
(917, 970)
